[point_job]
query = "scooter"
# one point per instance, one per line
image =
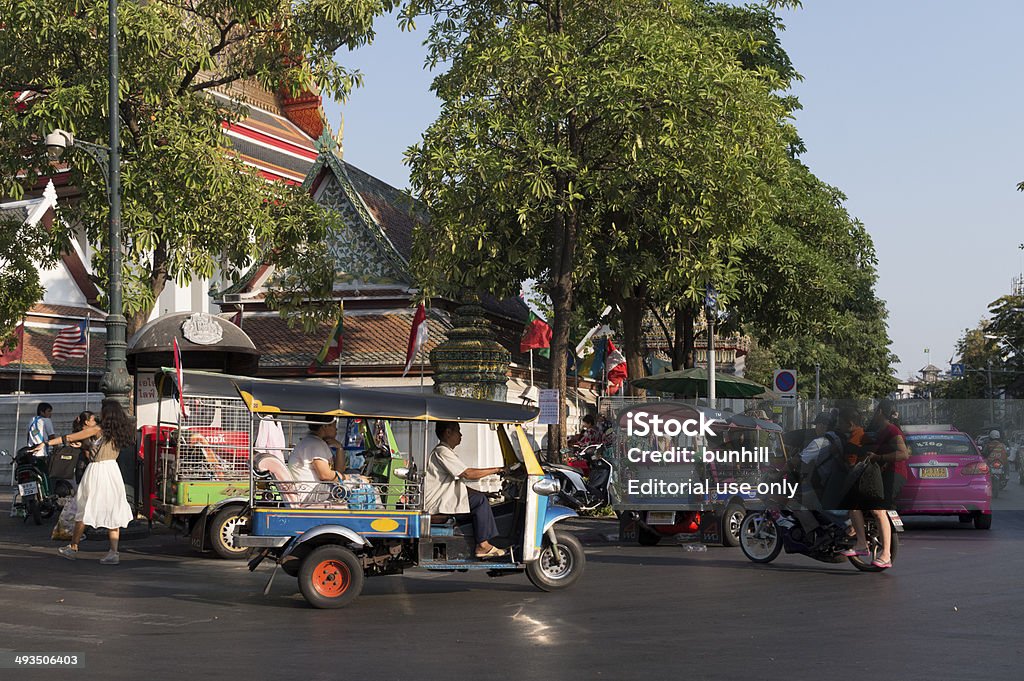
(44, 482)
(764, 534)
(582, 494)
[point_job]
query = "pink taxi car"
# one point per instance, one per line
(948, 476)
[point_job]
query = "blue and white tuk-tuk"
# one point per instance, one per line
(331, 535)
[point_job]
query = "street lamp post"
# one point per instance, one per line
(116, 383)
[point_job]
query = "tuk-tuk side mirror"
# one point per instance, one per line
(546, 487)
(401, 473)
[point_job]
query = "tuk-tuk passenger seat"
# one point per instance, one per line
(278, 471)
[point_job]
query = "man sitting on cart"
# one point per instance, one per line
(445, 491)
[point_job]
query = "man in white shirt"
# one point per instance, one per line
(445, 490)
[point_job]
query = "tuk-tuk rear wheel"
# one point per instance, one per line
(551, 573)
(330, 577)
(222, 529)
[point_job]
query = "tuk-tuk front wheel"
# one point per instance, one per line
(330, 577)
(550, 572)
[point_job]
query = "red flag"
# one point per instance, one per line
(178, 374)
(14, 354)
(418, 335)
(616, 364)
(236, 319)
(536, 335)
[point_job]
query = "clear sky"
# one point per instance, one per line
(913, 108)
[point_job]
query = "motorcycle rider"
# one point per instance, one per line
(995, 447)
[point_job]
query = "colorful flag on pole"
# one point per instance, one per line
(179, 375)
(331, 349)
(598, 358)
(418, 335)
(616, 364)
(536, 335)
(71, 341)
(15, 353)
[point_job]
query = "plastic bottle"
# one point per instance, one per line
(695, 547)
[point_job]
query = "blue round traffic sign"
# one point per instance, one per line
(785, 381)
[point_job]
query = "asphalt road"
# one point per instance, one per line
(949, 609)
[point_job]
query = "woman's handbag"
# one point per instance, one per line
(869, 488)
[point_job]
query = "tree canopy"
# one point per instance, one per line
(190, 207)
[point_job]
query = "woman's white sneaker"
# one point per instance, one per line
(110, 559)
(68, 552)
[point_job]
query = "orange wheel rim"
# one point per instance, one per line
(331, 578)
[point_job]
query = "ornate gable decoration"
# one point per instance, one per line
(361, 249)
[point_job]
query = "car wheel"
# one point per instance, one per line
(550, 574)
(760, 540)
(982, 521)
(732, 519)
(330, 577)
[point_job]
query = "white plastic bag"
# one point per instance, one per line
(66, 522)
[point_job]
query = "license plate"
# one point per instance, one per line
(661, 517)
(897, 522)
(27, 489)
(934, 472)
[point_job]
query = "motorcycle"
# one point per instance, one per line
(764, 534)
(578, 493)
(999, 472)
(44, 481)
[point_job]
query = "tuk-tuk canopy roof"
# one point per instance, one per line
(263, 396)
(198, 384)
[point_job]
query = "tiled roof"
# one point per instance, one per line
(71, 312)
(395, 211)
(370, 339)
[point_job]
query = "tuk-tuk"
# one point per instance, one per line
(331, 535)
(670, 493)
(195, 470)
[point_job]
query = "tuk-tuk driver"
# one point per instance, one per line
(445, 490)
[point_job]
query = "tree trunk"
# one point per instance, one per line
(157, 283)
(632, 337)
(561, 300)
(683, 349)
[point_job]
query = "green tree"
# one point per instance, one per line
(565, 125)
(190, 207)
(23, 249)
(808, 292)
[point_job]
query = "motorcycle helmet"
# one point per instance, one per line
(993, 435)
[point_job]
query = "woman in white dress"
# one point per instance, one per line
(101, 496)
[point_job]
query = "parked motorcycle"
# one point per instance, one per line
(577, 492)
(44, 482)
(764, 534)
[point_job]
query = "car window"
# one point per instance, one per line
(949, 445)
